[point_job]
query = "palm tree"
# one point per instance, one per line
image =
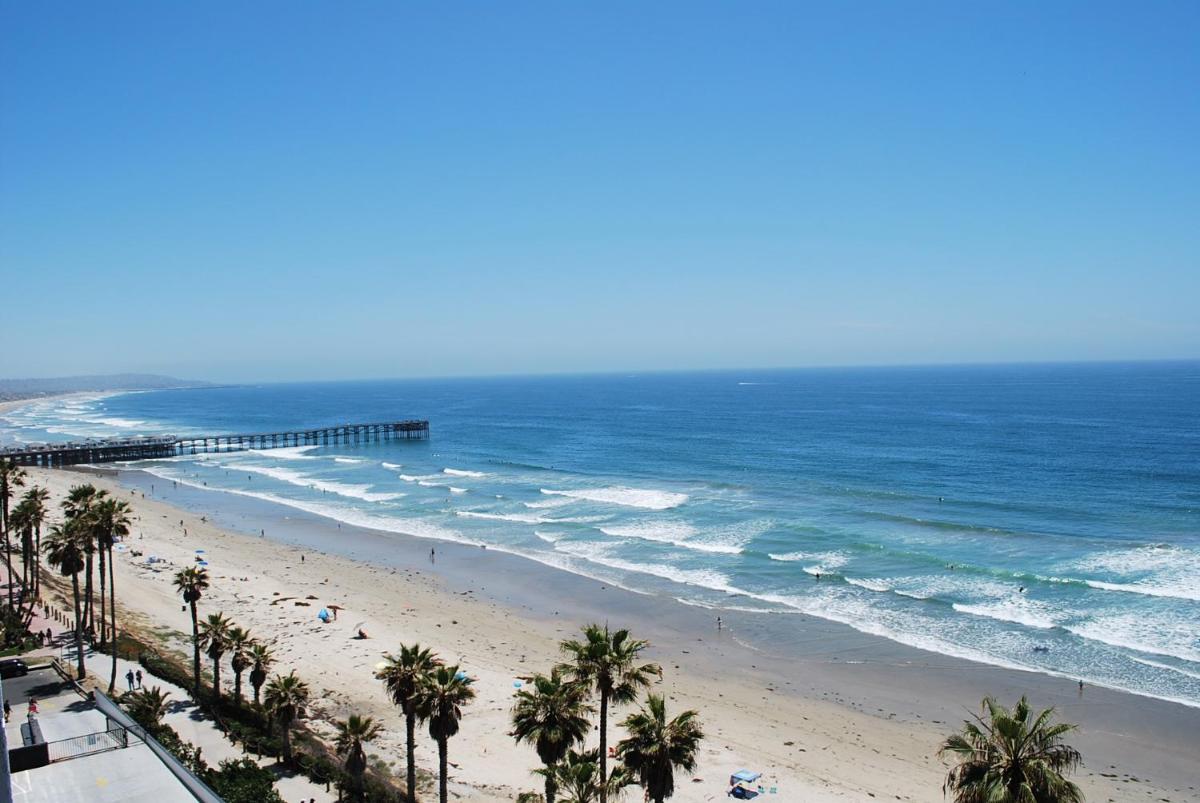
(64, 551)
(214, 638)
(261, 660)
(577, 778)
(36, 498)
(285, 699)
(441, 698)
(111, 518)
(191, 583)
(1003, 757)
(19, 521)
(147, 707)
(655, 747)
(11, 476)
(551, 713)
(78, 505)
(240, 658)
(404, 676)
(352, 734)
(607, 662)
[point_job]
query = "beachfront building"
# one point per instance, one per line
(63, 744)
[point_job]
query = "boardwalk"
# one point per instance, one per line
(160, 446)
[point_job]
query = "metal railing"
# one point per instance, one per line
(88, 744)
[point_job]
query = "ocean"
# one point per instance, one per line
(1042, 517)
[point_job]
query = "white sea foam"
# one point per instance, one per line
(392, 466)
(549, 538)
(303, 480)
(347, 515)
(459, 472)
(869, 583)
(548, 503)
(676, 533)
(1181, 591)
(521, 518)
(1168, 667)
(825, 562)
(1021, 611)
(599, 553)
(629, 497)
(286, 453)
(454, 490)
(348, 460)
(1143, 634)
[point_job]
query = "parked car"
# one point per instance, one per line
(13, 667)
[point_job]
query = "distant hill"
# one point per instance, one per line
(11, 389)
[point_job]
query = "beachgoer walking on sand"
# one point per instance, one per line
(302, 558)
(432, 553)
(139, 678)
(129, 679)
(718, 623)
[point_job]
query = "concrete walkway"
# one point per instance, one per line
(196, 727)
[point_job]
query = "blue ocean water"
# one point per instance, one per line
(1043, 517)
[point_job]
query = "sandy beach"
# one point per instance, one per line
(834, 716)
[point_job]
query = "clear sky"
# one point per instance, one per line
(289, 190)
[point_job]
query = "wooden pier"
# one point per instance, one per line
(160, 446)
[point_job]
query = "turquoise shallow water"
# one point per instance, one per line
(1043, 517)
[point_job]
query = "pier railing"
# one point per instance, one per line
(160, 446)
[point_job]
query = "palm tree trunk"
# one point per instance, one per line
(78, 627)
(112, 612)
(217, 680)
(87, 595)
(195, 654)
(237, 686)
(443, 765)
(603, 747)
(410, 728)
(551, 789)
(285, 738)
(37, 562)
(103, 603)
(7, 544)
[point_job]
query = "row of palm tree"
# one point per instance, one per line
(218, 637)
(552, 713)
(92, 525)
(428, 691)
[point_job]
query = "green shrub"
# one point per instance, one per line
(243, 781)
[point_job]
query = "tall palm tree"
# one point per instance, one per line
(404, 675)
(285, 698)
(191, 583)
(111, 518)
(214, 638)
(37, 497)
(19, 523)
(79, 504)
(577, 778)
(656, 747)
(11, 476)
(352, 734)
(443, 694)
(1004, 757)
(551, 713)
(240, 658)
(64, 551)
(261, 660)
(147, 707)
(608, 663)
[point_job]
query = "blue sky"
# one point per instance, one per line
(329, 190)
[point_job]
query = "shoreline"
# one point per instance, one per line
(858, 697)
